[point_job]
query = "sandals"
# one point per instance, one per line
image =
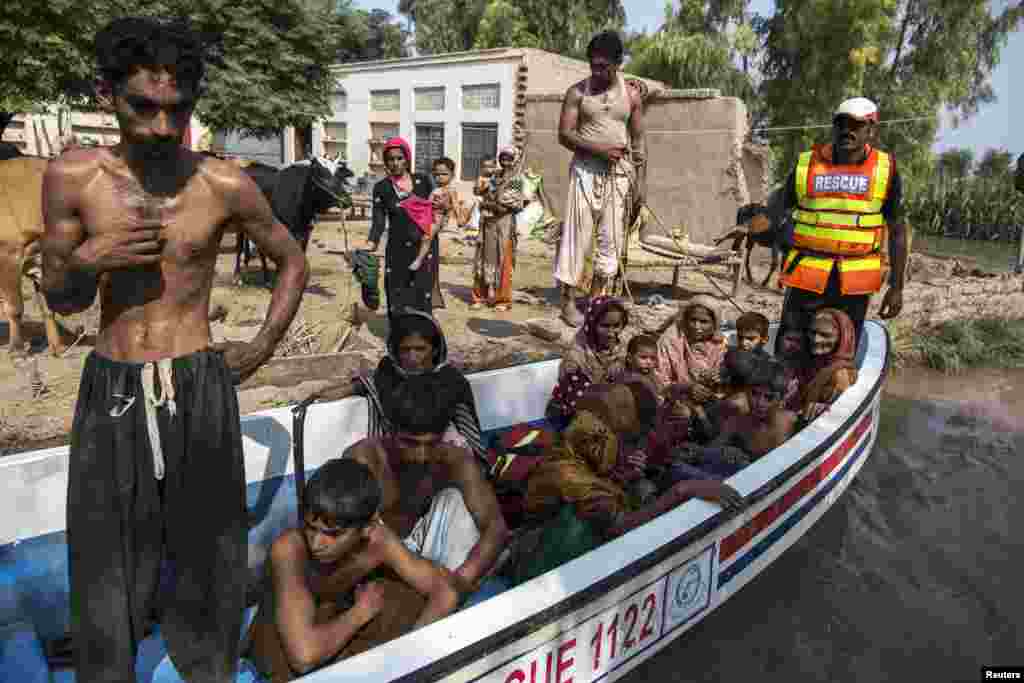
(502, 308)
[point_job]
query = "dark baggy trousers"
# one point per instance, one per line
(124, 523)
(801, 301)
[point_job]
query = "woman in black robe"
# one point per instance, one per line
(402, 205)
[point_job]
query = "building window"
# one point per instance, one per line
(429, 99)
(385, 131)
(336, 139)
(339, 102)
(429, 146)
(477, 97)
(479, 140)
(385, 100)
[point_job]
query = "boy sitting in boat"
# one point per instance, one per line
(752, 332)
(342, 583)
(743, 437)
(434, 494)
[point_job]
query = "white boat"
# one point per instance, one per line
(594, 618)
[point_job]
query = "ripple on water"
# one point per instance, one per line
(913, 574)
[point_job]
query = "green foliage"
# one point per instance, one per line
(273, 72)
(954, 202)
(557, 26)
(913, 57)
(959, 345)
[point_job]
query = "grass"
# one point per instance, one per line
(997, 257)
(960, 345)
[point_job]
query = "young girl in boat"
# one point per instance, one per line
(574, 494)
(595, 357)
(691, 349)
(833, 345)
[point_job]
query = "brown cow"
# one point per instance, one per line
(21, 226)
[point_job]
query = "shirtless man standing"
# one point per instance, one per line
(156, 483)
(435, 496)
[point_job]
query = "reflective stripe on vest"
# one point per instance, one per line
(811, 273)
(851, 202)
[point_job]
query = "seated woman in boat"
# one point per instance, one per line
(416, 346)
(342, 583)
(572, 493)
(791, 351)
(595, 357)
(833, 345)
(691, 349)
(752, 332)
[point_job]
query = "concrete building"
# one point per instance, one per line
(462, 105)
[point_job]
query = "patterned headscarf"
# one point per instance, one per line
(600, 365)
(824, 367)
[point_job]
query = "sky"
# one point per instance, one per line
(989, 128)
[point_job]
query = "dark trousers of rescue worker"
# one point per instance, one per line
(156, 488)
(804, 302)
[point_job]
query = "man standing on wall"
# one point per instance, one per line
(602, 124)
(156, 482)
(845, 202)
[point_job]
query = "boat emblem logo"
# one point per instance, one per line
(688, 588)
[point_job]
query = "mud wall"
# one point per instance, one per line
(697, 167)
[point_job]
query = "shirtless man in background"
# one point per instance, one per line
(156, 512)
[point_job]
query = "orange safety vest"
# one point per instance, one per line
(838, 222)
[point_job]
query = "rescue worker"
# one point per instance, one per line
(847, 222)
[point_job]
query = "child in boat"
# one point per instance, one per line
(791, 350)
(343, 582)
(572, 493)
(691, 349)
(595, 357)
(642, 355)
(743, 438)
(752, 332)
(833, 345)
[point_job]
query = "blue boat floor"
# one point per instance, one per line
(34, 590)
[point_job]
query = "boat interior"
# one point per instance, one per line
(34, 592)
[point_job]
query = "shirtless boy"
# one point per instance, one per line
(156, 426)
(435, 496)
(303, 623)
(768, 424)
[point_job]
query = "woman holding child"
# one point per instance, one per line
(495, 250)
(402, 206)
(691, 350)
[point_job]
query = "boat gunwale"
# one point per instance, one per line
(451, 663)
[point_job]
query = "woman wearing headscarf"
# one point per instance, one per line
(574, 490)
(495, 257)
(595, 357)
(691, 350)
(833, 345)
(402, 206)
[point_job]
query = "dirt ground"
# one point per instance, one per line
(37, 405)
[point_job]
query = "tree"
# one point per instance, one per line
(562, 26)
(956, 164)
(995, 164)
(912, 57)
(270, 68)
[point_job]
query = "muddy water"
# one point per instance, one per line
(917, 573)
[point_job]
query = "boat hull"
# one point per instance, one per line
(594, 618)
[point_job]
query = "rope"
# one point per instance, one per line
(763, 129)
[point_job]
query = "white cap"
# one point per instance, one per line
(860, 108)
